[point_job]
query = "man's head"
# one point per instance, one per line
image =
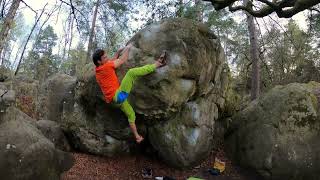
(99, 57)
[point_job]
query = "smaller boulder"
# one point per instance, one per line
(277, 135)
(54, 133)
(7, 98)
(25, 154)
(4, 73)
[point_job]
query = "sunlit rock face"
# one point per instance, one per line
(176, 106)
(278, 134)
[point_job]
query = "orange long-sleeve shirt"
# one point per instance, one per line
(107, 80)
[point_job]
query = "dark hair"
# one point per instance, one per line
(97, 56)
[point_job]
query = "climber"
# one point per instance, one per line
(109, 84)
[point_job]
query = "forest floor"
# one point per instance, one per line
(129, 167)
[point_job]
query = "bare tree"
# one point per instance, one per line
(7, 23)
(73, 10)
(66, 36)
(54, 9)
(92, 31)
(199, 16)
(179, 12)
(283, 8)
(29, 36)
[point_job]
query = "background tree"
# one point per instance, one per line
(41, 62)
(255, 74)
(27, 41)
(7, 23)
(92, 32)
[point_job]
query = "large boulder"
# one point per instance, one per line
(177, 106)
(278, 134)
(25, 153)
(181, 101)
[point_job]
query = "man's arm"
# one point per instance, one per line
(117, 54)
(123, 58)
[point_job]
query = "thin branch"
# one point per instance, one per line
(29, 6)
(74, 15)
(123, 26)
(46, 20)
(58, 12)
(73, 9)
(285, 32)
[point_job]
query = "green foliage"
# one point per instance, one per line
(156, 10)
(74, 64)
(289, 56)
(233, 36)
(233, 100)
(40, 62)
(45, 41)
(191, 12)
(118, 6)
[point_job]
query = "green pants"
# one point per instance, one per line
(126, 86)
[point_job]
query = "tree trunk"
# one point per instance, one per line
(255, 74)
(92, 31)
(66, 37)
(7, 23)
(73, 66)
(71, 37)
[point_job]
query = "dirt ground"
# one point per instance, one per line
(90, 167)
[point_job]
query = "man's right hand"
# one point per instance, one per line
(129, 45)
(124, 56)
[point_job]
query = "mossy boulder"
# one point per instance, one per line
(278, 134)
(181, 101)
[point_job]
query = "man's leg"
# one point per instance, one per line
(126, 86)
(129, 112)
(132, 75)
